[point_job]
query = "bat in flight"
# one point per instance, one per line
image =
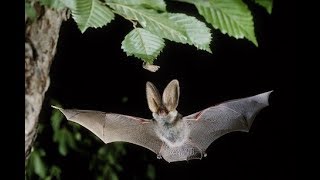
(170, 135)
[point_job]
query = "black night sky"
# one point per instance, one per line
(91, 71)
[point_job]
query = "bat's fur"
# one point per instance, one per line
(171, 129)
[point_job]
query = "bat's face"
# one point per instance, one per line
(165, 117)
(163, 109)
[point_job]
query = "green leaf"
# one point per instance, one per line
(154, 4)
(71, 4)
(113, 176)
(156, 23)
(54, 4)
(65, 141)
(30, 11)
(62, 145)
(232, 17)
(70, 139)
(111, 159)
(142, 44)
(39, 166)
(56, 119)
(55, 171)
(90, 13)
(151, 172)
(197, 32)
(267, 4)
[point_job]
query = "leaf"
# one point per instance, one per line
(71, 4)
(30, 11)
(142, 44)
(90, 13)
(151, 172)
(156, 23)
(62, 145)
(197, 32)
(232, 17)
(39, 166)
(154, 4)
(70, 139)
(54, 4)
(113, 176)
(55, 171)
(56, 119)
(267, 4)
(65, 141)
(111, 159)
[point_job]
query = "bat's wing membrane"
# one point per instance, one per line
(111, 127)
(235, 115)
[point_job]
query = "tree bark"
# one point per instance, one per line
(41, 37)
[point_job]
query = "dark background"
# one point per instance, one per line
(91, 71)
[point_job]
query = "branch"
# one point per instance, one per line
(41, 38)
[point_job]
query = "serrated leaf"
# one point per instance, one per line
(90, 13)
(197, 32)
(156, 23)
(231, 17)
(267, 4)
(54, 4)
(142, 44)
(154, 4)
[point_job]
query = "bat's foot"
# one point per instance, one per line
(205, 154)
(159, 156)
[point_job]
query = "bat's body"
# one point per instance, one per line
(169, 134)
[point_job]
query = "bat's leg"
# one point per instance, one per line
(159, 156)
(203, 154)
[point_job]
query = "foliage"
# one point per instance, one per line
(232, 17)
(152, 22)
(267, 4)
(143, 44)
(30, 11)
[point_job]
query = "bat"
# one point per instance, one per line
(170, 135)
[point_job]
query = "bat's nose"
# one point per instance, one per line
(162, 112)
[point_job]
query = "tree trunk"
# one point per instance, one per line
(41, 38)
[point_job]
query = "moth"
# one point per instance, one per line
(170, 135)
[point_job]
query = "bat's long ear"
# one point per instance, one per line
(153, 97)
(170, 95)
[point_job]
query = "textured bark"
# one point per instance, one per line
(41, 38)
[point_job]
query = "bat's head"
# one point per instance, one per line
(163, 109)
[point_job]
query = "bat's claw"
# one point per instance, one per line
(159, 156)
(205, 154)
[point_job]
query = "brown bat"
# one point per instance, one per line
(169, 134)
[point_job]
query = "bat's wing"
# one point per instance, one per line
(213, 122)
(111, 127)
